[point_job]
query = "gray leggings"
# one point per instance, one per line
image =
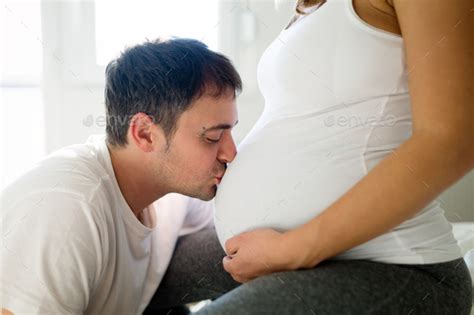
(332, 287)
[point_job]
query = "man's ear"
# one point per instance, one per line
(143, 132)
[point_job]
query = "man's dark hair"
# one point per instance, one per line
(162, 79)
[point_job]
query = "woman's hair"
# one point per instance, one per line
(301, 5)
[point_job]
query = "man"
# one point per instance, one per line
(91, 228)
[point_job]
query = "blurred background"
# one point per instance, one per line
(53, 56)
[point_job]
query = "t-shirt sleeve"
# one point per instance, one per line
(50, 255)
(200, 215)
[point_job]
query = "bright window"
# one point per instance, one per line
(125, 23)
(21, 110)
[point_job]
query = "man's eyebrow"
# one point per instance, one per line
(219, 126)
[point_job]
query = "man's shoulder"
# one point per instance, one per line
(73, 176)
(75, 169)
(80, 161)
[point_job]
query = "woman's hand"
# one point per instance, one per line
(260, 252)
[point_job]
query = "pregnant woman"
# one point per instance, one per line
(368, 118)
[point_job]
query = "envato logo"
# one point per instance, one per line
(357, 121)
(112, 120)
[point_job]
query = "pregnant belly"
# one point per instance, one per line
(283, 177)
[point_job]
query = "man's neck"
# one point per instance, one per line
(134, 180)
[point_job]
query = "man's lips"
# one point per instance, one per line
(219, 177)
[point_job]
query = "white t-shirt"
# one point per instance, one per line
(72, 245)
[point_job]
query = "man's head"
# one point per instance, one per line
(166, 103)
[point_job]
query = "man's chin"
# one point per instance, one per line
(211, 194)
(204, 195)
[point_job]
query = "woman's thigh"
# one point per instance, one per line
(354, 287)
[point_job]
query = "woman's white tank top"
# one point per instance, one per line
(336, 103)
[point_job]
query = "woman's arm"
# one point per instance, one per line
(439, 47)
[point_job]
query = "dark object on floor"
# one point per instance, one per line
(177, 310)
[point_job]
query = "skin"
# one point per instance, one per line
(378, 13)
(438, 48)
(191, 164)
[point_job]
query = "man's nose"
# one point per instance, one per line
(227, 150)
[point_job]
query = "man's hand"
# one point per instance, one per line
(259, 252)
